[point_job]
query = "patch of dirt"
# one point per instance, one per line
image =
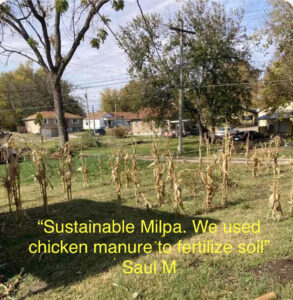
(281, 269)
(195, 263)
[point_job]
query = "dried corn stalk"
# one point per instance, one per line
(247, 148)
(210, 185)
(11, 181)
(116, 178)
(84, 170)
(291, 193)
(39, 158)
(158, 172)
(208, 148)
(225, 158)
(139, 195)
(67, 168)
(275, 212)
(127, 171)
(199, 150)
(177, 202)
(255, 163)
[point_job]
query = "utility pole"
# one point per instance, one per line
(87, 109)
(93, 114)
(181, 31)
(181, 91)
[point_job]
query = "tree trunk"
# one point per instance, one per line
(202, 130)
(213, 134)
(59, 109)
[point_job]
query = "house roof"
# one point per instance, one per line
(274, 116)
(98, 115)
(119, 115)
(148, 113)
(51, 115)
(123, 115)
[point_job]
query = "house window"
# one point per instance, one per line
(56, 121)
(136, 123)
(87, 123)
(46, 121)
(75, 121)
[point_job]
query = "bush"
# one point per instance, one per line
(118, 132)
(89, 140)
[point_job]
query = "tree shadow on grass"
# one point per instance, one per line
(63, 269)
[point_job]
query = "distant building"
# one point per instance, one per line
(278, 122)
(49, 127)
(142, 125)
(100, 120)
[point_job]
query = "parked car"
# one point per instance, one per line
(167, 133)
(253, 136)
(100, 131)
(220, 132)
(191, 131)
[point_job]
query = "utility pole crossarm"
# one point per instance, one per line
(182, 30)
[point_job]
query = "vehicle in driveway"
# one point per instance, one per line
(253, 136)
(100, 131)
(220, 132)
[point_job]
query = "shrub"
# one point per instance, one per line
(118, 132)
(89, 140)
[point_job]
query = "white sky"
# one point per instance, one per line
(108, 65)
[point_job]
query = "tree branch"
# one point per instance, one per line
(42, 21)
(58, 57)
(21, 30)
(94, 10)
(10, 52)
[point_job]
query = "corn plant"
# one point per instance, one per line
(247, 148)
(199, 150)
(40, 160)
(225, 158)
(208, 148)
(84, 170)
(255, 163)
(11, 180)
(291, 193)
(158, 173)
(116, 178)
(66, 170)
(139, 195)
(210, 185)
(275, 210)
(127, 171)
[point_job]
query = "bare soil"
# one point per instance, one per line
(281, 269)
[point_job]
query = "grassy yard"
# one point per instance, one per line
(198, 276)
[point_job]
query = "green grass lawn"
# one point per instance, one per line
(93, 276)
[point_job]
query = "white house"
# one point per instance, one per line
(100, 119)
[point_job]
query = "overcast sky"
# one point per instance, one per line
(108, 65)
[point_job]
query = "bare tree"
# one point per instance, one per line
(38, 23)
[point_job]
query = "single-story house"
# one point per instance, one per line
(141, 125)
(98, 120)
(278, 122)
(49, 127)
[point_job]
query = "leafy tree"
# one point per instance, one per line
(26, 91)
(110, 98)
(39, 119)
(218, 72)
(38, 23)
(128, 98)
(278, 84)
